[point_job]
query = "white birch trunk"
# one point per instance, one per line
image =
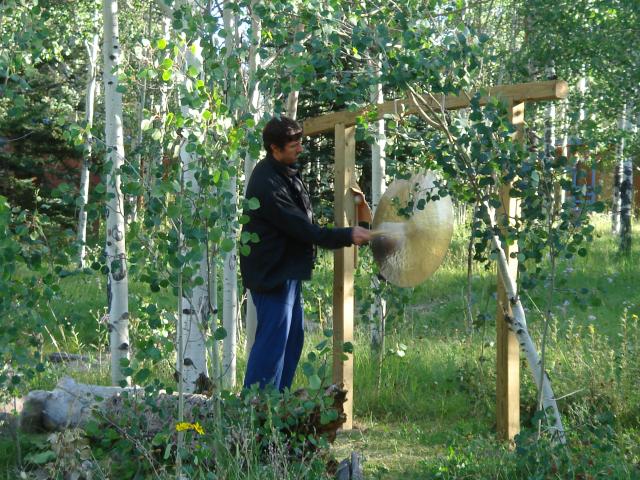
(137, 143)
(292, 104)
(118, 289)
(560, 192)
(550, 131)
(518, 324)
(550, 124)
(616, 201)
(582, 90)
(550, 153)
(292, 98)
(194, 310)
(377, 313)
(163, 107)
(229, 275)
(92, 53)
(164, 99)
(251, 318)
(230, 312)
(616, 206)
(626, 192)
(626, 204)
(214, 350)
(193, 315)
(251, 321)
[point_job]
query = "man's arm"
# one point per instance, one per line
(289, 218)
(360, 235)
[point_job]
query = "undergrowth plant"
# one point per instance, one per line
(257, 434)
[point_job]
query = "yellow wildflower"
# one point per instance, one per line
(184, 426)
(198, 428)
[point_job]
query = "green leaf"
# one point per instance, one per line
(42, 457)
(314, 382)
(156, 134)
(161, 43)
(166, 75)
(159, 439)
(167, 451)
(227, 245)
(220, 333)
(328, 416)
(192, 71)
(254, 203)
(142, 375)
(308, 369)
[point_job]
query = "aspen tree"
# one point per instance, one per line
(255, 104)
(116, 253)
(229, 268)
(92, 57)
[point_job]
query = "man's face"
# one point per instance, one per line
(288, 154)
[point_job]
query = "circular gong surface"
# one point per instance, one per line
(411, 241)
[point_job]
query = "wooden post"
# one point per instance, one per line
(508, 350)
(343, 267)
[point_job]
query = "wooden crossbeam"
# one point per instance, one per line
(517, 93)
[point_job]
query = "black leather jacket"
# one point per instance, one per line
(284, 225)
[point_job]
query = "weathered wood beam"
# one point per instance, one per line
(344, 266)
(507, 346)
(517, 93)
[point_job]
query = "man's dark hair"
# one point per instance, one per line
(279, 131)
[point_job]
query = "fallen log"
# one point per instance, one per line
(69, 405)
(62, 357)
(73, 404)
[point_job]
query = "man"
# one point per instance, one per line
(276, 266)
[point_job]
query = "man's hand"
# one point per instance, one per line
(360, 235)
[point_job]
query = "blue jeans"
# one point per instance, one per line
(279, 337)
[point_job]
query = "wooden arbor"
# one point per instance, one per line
(342, 124)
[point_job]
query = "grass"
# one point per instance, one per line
(434, 414)
(439, 398)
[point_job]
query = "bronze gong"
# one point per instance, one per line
(409, 242)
